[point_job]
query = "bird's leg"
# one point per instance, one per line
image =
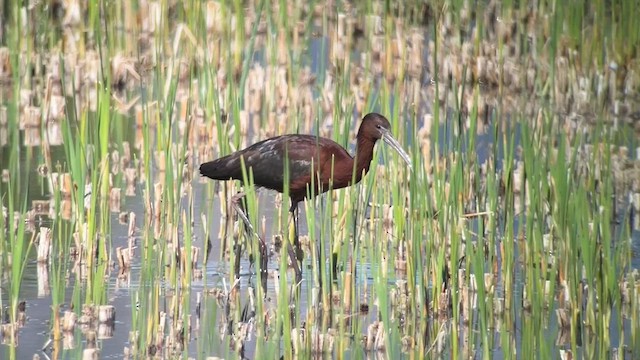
(296, 237)
(295, 252)
(237, 207)
(294, 213)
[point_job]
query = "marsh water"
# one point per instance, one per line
(124, 295)
(495, 125)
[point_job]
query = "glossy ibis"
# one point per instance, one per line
(333, 167)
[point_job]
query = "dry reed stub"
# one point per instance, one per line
(298, 340)
(498, 306)
(5, 65)
(116, 165)
(9, 333)
(4, 136)
(401, 267)
(105, 330)
(41, 207)
(489, 283)
(130, 175)
(30, 221)
(468, 302)
(91, 354)
(132, 227)
(69, 321)
(26, 98)
(408, 343)
(399, 297)
(635, 201)
(44, 244)
(375, 338)
(473, 285)
(32, 137)
(563, 317)
(21, 313)
(336, 298)
(322, 343)
(156, 210)
(31, 118)
(195, 253)
(87, 315)
(123, 72)
(348, 289)
(625, 292)
(241, 333)
(55, 112)
(566, 354)
(124, 258)
(69, 341)
(444, 304)
(90, 339)
(123, 218)
(106, 314)
(134, 338)
(62, 183)
(42, 274)
(114, 200)
(125, 158)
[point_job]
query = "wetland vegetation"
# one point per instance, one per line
(516, 232)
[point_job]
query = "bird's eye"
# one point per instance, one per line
(379, 126)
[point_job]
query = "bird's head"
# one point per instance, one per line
(375, 127)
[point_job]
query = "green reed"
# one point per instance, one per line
(560, 199)
(19, 247)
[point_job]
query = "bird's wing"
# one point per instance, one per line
(266, 160)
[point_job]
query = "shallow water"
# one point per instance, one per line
(211, 330)
(124, 295)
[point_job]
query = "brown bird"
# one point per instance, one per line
(322, 159)
(333, 167)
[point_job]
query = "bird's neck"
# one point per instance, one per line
(364, 154)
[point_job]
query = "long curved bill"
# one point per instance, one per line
(391, 141)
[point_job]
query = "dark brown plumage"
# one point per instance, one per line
(332, 164)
